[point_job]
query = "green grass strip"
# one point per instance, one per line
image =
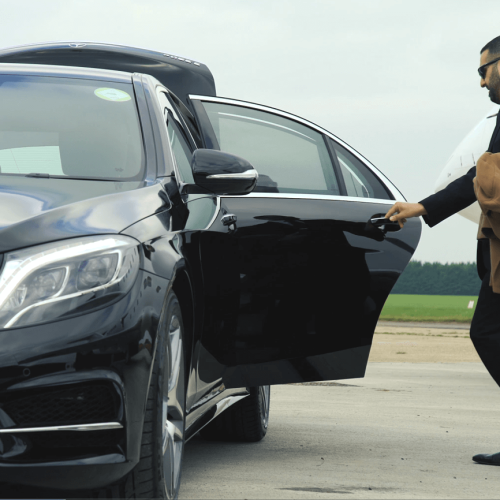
(431, 308)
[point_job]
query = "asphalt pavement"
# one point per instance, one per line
(406, 430)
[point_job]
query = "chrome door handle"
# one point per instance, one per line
(382, 221)
(229, 219)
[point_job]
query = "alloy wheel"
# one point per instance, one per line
(265, 398)
(173, 410)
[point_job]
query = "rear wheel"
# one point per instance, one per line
(245, 421)
(158, 473)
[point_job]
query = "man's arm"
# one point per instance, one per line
(437, 207)
(456, 196)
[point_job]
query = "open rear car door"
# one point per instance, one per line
(295, 273)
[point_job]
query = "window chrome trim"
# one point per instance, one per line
(247, 174)
(83, 427)
(305, 196)
(392, 188)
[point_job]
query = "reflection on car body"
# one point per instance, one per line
(167, 255)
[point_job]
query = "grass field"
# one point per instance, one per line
(441, 308)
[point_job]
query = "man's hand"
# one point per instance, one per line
(403, 211)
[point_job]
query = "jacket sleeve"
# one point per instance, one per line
(458, 195)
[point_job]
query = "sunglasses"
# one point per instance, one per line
(482, 69)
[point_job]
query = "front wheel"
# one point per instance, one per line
(158, 474)
(171, 395)
(245, 421)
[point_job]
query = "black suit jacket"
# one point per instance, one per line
(458, 195)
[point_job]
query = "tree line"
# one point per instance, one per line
(433, 278)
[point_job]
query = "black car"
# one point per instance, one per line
(166, 255)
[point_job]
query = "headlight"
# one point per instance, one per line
(47, 282)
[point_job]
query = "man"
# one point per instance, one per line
(485, 326)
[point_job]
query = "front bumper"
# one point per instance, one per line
(86, 370)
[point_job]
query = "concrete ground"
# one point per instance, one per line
(429, 344)
(406, 430)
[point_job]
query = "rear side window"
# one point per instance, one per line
(359, 180)
(289, 157)
(69, 127)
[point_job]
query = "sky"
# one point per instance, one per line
(395, 79)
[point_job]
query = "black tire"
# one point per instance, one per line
(246, 421)
(149, 479)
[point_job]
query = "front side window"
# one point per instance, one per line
(69, 128)
(180, 150)
(178, 143)
(289, 157)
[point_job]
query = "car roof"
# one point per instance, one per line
(180, 75)
(64, 72)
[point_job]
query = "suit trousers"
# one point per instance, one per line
(485, 328)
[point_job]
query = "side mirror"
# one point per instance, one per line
(222, 173)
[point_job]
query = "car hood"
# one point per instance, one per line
(38, 210)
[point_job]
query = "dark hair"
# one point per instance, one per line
(493, 47)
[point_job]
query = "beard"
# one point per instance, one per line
(494, 86)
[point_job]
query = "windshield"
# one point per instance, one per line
(69, 128)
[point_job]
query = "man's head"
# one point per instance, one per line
(490, 77)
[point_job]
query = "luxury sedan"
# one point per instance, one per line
(167, 255)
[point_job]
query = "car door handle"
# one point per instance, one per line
(229, 219)
(382, 221)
